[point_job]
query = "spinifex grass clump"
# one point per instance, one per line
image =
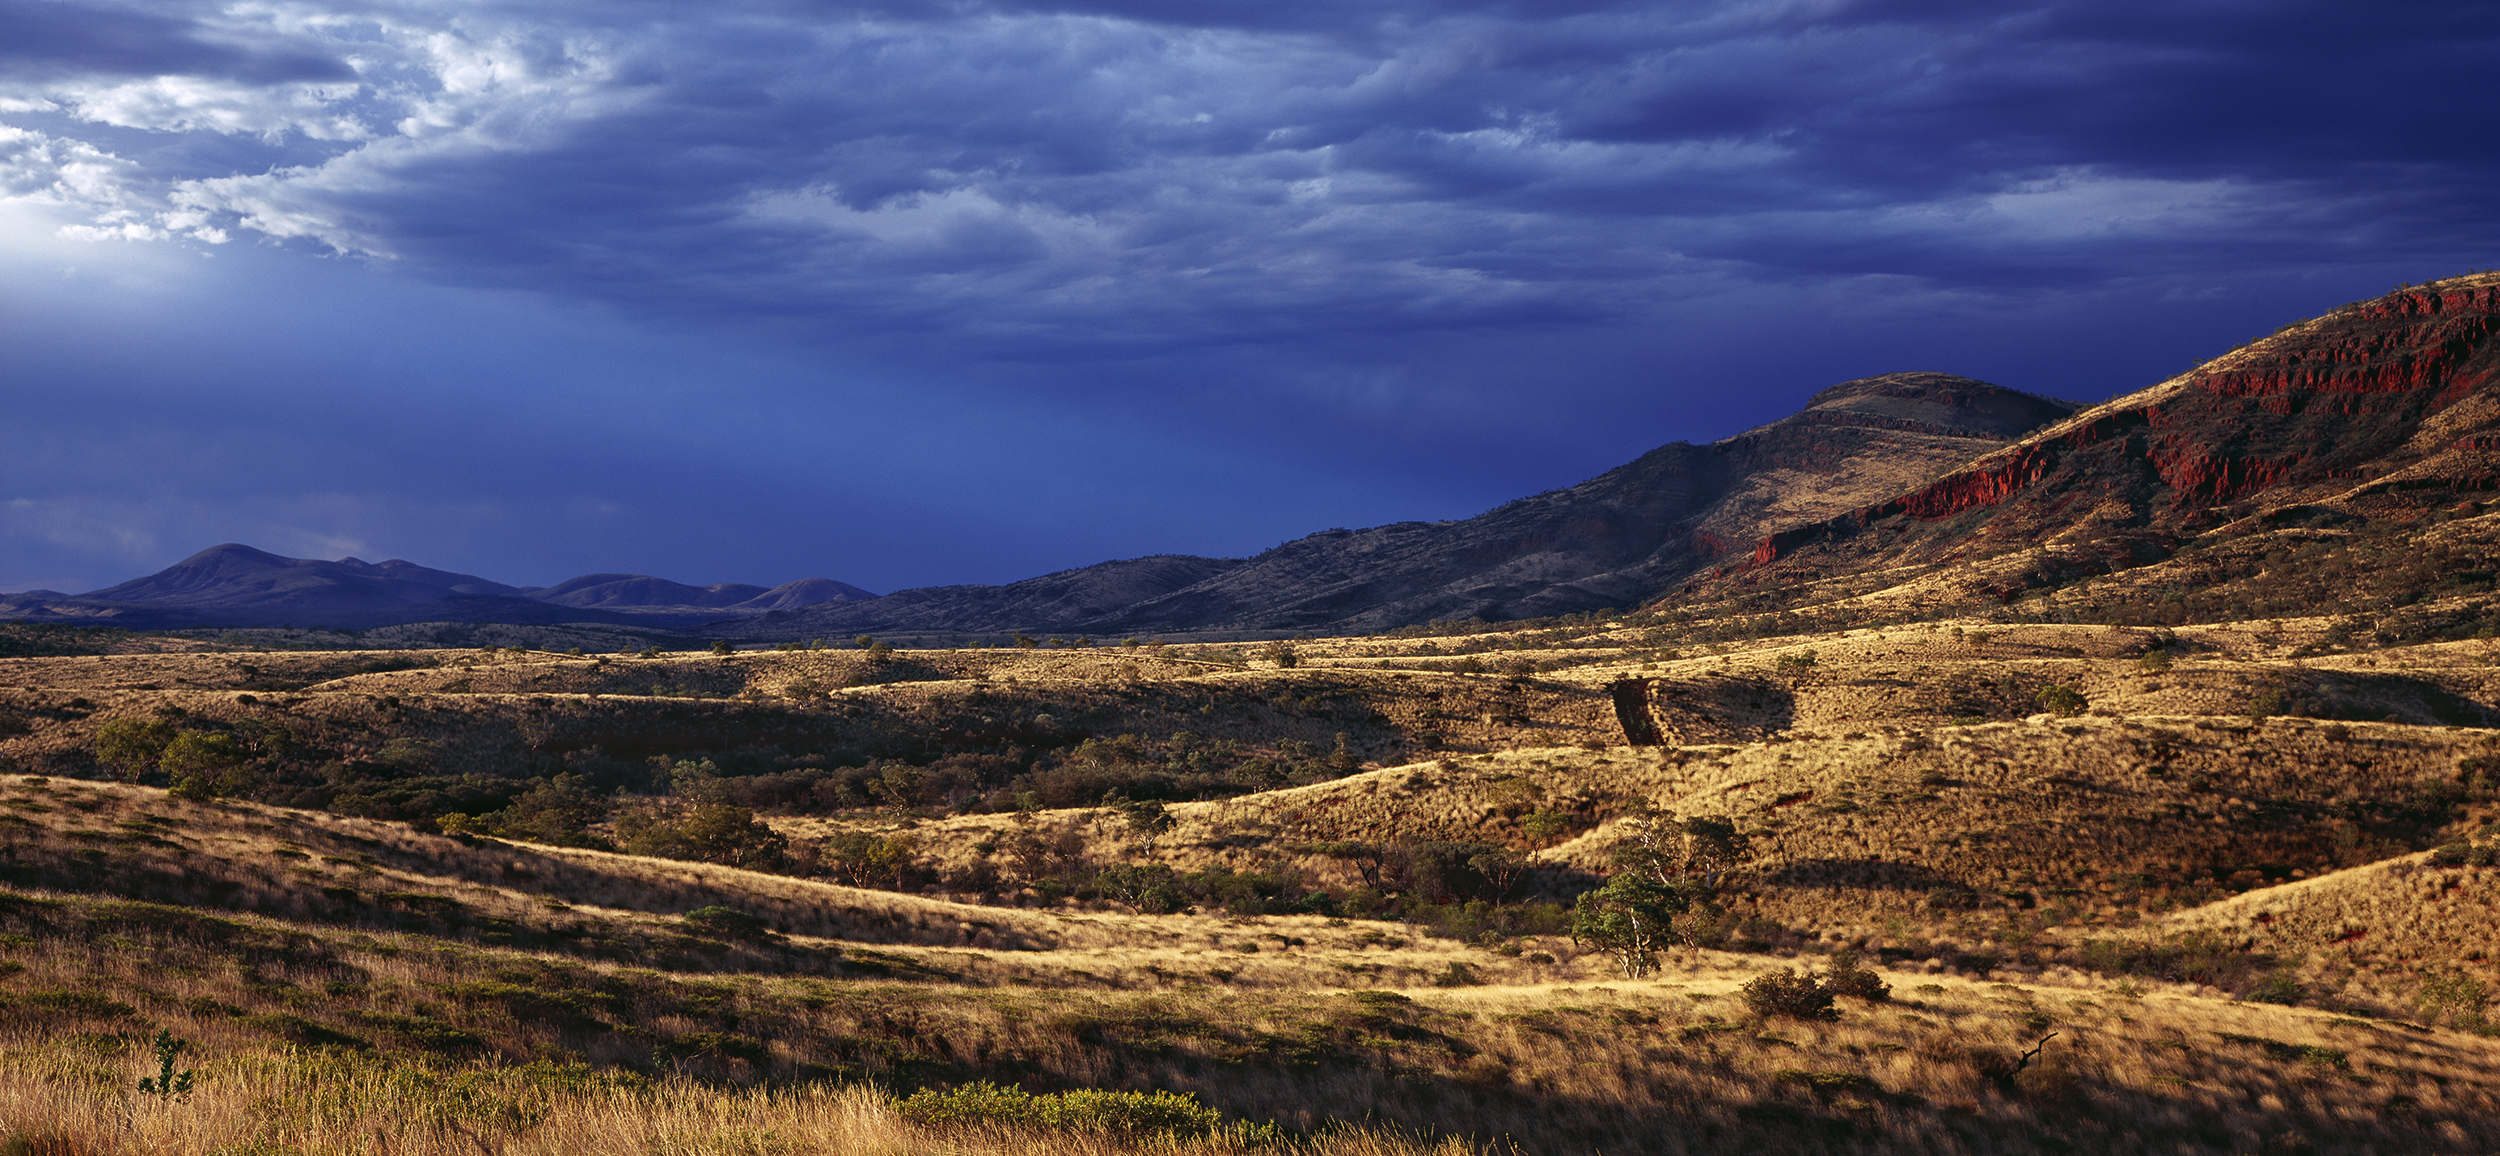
(1082, 1110)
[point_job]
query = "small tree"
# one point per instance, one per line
(1630, 918)
(709, 833)
(720, 648)
(132, 746)
(2063, 701)
(205, 765)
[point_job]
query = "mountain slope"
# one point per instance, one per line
(1614, 539)
(2380, 409)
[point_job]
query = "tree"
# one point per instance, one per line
(1694, 856)
(1630, 918)
(205, 765)
(1367, 858)
(558, 811)
(708, 833)
(865, 860)
(720, 648)
(2063, 701)
(1500, 867)
(132, 746)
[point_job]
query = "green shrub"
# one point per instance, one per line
(1844, 977)
(206, 765)
(2063, 701)
(1786, 993)
(1083, 1110)
(2279, 988)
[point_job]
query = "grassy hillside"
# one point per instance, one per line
(2228, 879)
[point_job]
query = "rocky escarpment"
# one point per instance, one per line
(2378, 407)
(1609, 541)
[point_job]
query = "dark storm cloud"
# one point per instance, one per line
(1050, 181)
(49, 39)
(1431, 237)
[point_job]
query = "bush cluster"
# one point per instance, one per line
(984, 1104)
(1808, 996)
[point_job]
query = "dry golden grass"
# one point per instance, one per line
(1989, 865)
(2376, 935)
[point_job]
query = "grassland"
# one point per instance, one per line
(2241, 871)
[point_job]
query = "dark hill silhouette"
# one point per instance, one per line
(236, 585)
(1610, 541)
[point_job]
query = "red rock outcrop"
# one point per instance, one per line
(2314, 411)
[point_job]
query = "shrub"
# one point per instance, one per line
(2063, 701)
(2457, 997)
(1843, 976)
(1786, 993)
(2278, 988)
(556, 811)
(1083, 1110)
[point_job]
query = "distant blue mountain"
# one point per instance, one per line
(236, 585)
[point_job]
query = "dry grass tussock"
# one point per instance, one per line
(1674, 1064)
(305, 1103)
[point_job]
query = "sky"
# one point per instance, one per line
(907, 294)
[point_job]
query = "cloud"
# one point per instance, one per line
(1046, 181)
(1424, 239)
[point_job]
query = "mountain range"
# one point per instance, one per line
(233, 585)
(2376, 408)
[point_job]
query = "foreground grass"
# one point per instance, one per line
(317, 1040)
(310, 1102)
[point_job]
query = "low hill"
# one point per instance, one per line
(335, 983)
(235, 585)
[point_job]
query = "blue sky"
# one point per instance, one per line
(906, 294)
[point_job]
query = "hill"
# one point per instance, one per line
(2331, 429)
(1611, 541)
(235, 585)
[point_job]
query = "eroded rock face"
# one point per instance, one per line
(2384, 404)
(1715, 708)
